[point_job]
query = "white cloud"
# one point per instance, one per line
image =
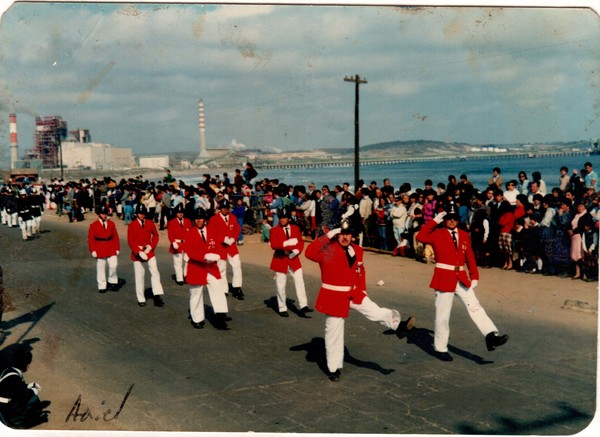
(273, 74)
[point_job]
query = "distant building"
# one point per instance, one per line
(95, 156)
(157, 161)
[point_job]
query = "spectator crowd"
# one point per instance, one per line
(526, 224)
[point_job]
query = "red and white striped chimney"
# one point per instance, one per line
(203, 152)
(14, 145)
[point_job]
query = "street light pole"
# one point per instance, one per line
(357, 81)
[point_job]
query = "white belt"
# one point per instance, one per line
(4, 400)
(449, 267)
(336, 287)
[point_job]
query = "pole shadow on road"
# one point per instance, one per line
(423, 338)
(315, 353)
(32, 317)
(567, 415)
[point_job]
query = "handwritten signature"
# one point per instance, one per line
(82, 414)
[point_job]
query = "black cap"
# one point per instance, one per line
(179, 208)
(224, 203)
(346, 226)
(141, 209)
(451, 211)
(103, 209)
(200, 213)
(284, 212)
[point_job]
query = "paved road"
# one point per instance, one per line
(107, 364)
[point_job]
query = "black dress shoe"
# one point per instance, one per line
(283, 314)
(179, 282)
(102, 290)
(237, 293)
(142, 304)
(493, 340)
(335, 376)
(198, 325)
(443, 356)
(113, 287)
(221, 322)
(405, 326)
(303, 312)
(158, 301)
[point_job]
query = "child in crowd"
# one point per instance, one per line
(239, 211)
(128, 211)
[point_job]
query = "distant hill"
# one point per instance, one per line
(417, 147)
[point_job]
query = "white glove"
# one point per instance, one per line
(94, 254)
(294, 253)
(228, 241)
(148, 248)
(439, 217)
(143, 255)
(333, 233)
(592, 247)
(474, 283)
(211, 257)
(175, 245)
(118, 252)
(35, 387)
(290, 242)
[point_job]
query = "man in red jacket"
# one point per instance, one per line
(142, 237)
(454, 257)
(226, 229)
(344, 287)
(201, 248)
(104, 245)
(176, 230)
(287, 243)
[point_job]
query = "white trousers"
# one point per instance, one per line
(140, 272)
(101, 264)
(13, 220)
(443, 308)
(179, 264)
(236, 266)
(334, 329)
(216, 295)
(35, 226)
(280, 282)
(25, 226)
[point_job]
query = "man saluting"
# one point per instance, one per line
(344, 287)
(454, 255)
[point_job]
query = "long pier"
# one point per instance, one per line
(367, 161)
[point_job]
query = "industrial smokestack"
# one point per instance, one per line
(203, 153)
(14, 145)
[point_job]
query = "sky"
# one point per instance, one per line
(272, 76)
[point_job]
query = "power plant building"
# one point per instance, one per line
(96, 156)
(49, 134)
(54, 145)
(157, 161)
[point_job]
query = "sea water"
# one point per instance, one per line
(415, 173)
